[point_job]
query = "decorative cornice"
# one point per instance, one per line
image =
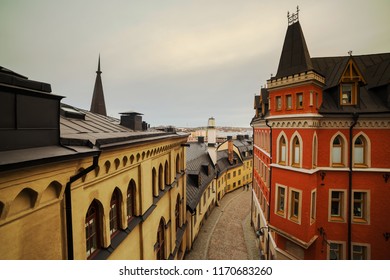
(295, 79)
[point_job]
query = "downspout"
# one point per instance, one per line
(68, 204)
(355, 117)
(270, 185)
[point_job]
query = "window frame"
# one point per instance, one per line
(160, 244)
(364, 200)
(280, 150)
(278, 103)
(366, 251)
(343, 150)
(313, 206)
(341, 250)
(341, 217)
(299, 100)
(115, 220)
(366, 146)
(353, 93)
(295, 204)
(296, 143)
(279, 199)
(131, 200)
(95, 235)
(289, 104)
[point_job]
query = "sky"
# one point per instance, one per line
(178, 62)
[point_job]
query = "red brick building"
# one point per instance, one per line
(321, 187)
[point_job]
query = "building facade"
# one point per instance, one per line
(321, 153)
(76, 184)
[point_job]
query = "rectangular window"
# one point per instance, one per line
(278, 103)
(335, 251)
(288, 102)
(299, 100)
(295, 206)
(359, 252)
(360, 207)
(347, 94)
(313, 206)
(337, 206)
(281, 200)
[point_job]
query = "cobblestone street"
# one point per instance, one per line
(227, 234)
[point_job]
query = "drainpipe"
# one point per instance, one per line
(355, 117)
(270, 185)
(68, 204)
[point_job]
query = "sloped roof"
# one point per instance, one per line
(295, 57)
(101, 131)
(375, 69)
(197, 159)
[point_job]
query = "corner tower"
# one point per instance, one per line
(98, 105)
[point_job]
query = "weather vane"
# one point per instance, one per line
(294, 17)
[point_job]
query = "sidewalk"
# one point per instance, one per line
(227, 234)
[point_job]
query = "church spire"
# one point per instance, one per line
(98, 105)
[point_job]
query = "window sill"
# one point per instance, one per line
(337, 219)
(295, 220)
(359, 221)
(281, 213)
(338, 165)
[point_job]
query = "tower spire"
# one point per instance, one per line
(98, 104)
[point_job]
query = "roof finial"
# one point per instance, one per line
(350, 53)
(294, 17)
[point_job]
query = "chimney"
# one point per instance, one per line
(230, 149)
(200, 139)
(132, 120)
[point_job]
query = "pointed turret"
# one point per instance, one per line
(98, 105)
(295, 57)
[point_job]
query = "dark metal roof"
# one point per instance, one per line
(103, 131)
(197, 159)
(14, 79)
(373, 96)
(295, 57)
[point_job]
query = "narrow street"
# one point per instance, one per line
(227, 234)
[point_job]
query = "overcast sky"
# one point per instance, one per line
(177, 62)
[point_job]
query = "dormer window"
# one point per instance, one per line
(349, 82)
(348, 94)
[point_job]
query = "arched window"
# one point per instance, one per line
(154, 182)
(282, 150)
(161, 177)
(177, 212)
(360, 151)
(115, 212)
(166, 174)
(130, 200)
(92, 229)
(160, 250)
(338, 151)
(177, 164)
(296, 151)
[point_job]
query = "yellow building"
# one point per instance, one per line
(76, 184)
(235, 159)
